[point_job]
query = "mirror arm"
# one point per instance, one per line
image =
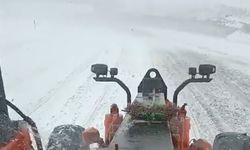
(3, 106)
(185, 83)
(113, 79)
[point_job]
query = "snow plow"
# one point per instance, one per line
(151, 121)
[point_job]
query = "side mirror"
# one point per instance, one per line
(192, 71)
(204, 70)
(102, 69)
(207, 69)
(113, 72)
(99, 69)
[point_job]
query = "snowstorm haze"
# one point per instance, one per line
(48, 46)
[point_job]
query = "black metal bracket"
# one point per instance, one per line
(149, 83)
(3, 106)
(185, 83)
(113, 79)
(205, 70)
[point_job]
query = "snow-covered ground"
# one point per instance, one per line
(48, 46)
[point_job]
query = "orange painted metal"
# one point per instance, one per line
(180, 129)
(111, 123)
(91, 135)
(21, 141)
(200, 144)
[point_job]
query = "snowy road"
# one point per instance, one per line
(46, 58)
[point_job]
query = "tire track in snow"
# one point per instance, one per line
(69, 78)
(76, 100)
(74, 108)
(99, 104)
(43, 100)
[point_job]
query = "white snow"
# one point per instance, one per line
(48, 46)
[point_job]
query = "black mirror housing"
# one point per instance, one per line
(207, 69)
(192, 71)
(99, 69)
(113, 72)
